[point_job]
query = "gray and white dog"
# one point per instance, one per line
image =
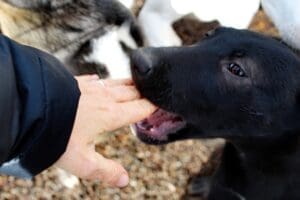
(88, 36)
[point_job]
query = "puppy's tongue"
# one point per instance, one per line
(160, 124)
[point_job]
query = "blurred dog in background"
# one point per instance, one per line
(88, 36)
(230, 13)
(157, 13)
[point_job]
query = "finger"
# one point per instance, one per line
(110, 172)
(117, 82)
(124, 93)
(135, 111)
(86, 163)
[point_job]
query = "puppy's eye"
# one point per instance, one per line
(236, 70)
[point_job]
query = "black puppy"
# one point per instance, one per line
(238, 85)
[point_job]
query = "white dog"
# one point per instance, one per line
(157, 16)
(285, 14)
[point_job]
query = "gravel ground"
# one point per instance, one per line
(156, 172)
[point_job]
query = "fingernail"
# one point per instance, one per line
(123, 181)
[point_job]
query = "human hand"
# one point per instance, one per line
(101, 108)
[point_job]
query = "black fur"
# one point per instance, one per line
(258, 113)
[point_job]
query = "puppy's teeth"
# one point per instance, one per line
(133, 129)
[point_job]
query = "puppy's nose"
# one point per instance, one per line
(141, 62)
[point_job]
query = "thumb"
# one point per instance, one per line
(110, 171)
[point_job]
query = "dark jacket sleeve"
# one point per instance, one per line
(38, 101)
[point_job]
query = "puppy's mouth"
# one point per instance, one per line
(157, 127)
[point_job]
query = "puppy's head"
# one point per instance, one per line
(233, 84)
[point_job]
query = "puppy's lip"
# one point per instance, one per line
(158, 126)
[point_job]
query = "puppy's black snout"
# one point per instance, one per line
(141, 63)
